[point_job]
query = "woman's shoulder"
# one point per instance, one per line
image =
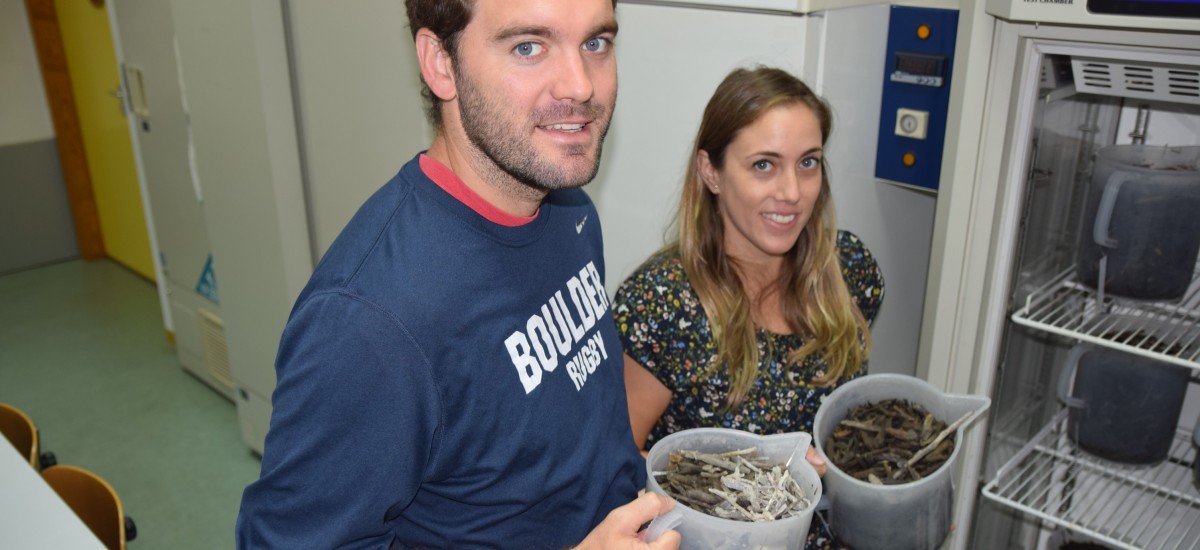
(861, 272)
(658, 288)
(850, 247)
(854, 254)
(661, 270)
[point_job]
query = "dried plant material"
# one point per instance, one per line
(738, 485)
(890, 442)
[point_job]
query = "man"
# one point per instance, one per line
(451, 376)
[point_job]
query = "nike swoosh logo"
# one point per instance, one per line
(579, 225)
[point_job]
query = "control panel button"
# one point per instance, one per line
(911, 123)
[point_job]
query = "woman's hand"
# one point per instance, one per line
(814, 458)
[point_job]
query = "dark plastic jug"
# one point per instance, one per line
(1124, 407)
(1141, 216)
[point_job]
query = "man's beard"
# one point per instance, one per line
(514, 153)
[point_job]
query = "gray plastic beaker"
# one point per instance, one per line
(700, 531)
(1141, 220)
(1123, 407)
(908, 516)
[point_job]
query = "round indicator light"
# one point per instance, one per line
(909, 159)
(923, 31)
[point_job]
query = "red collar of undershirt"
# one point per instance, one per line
(450, 183)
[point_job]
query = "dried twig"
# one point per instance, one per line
(933, 444)
(879, 438)
(738, 485)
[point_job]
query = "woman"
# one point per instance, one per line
(760, 307)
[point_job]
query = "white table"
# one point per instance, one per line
(32, 516)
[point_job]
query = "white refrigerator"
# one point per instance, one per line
(1048, 89)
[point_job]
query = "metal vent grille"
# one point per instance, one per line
(216, 355)
(1171, 83)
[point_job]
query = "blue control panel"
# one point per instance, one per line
(916, 95)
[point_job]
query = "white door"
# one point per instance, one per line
(154, 95)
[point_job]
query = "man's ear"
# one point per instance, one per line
(708, 174)
(436, 66)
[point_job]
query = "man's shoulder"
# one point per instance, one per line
(379, 219)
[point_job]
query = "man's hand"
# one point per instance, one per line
(619, 530)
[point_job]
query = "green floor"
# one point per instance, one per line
(84, 353)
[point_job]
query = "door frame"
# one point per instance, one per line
(52, 60)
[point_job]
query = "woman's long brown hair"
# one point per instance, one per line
(816, 302)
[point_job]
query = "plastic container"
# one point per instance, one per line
(1123, 407)
(1141, 220)
(700, 531)
(909, 516)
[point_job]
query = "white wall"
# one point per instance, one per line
(359, 102)
(36, 226)
(24, 114)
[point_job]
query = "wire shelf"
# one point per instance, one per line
(1130, 507)
(1167, 331)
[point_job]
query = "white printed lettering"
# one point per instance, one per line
(558, 326)
(527, 368)
(576, 376)
(600, 344)
(591, 280)
(552, 332)
(591, 266)
(591, 357)
(583, 305)
(577, 331)
(539, 335)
